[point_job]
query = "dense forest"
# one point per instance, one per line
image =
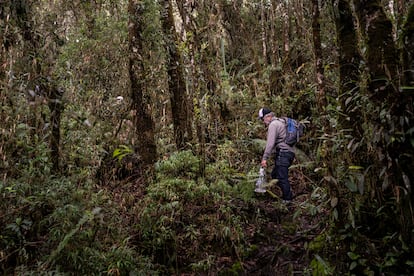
(130, 143)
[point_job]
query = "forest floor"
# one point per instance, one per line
(282, 234)
(277, 233)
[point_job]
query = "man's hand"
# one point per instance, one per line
(263, 163)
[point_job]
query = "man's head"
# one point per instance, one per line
(265, 114)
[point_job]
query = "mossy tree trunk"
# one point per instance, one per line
(381, 61)
(406, 160)
(5, 43)
(317, 47)
(202, 79)
(391, 119)
(349, 63)
(39, 55)
(408, 51)
(231, 16)
(207, 59)
(176, 83)
(381, 56)
(144, 125)
(30, 64)
(276, 79)
(56, 108)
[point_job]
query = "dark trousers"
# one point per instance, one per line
(283, 160)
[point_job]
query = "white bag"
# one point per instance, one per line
(261, 181)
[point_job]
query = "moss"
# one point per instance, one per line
(290, 227)
(235, 269)
(318, 244)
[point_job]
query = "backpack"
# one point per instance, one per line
(294, 130)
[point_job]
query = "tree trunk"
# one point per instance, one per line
(408, 51)
(407, 160)
(394, 119)
(144, 125)
(56, 108)
(39, 79)
(30, 61)
(381, 57)
(4, 18)
(320, 74)
(274, 43)
(382, 62)
(4, 45)
(263, 24)
(195, 55)
(286, 30)
(276, 80)
(349, 62)
(176, 82)
(299, 19)
(233, 23)
(400, 12)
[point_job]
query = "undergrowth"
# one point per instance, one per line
(187, 222)
(61, 225)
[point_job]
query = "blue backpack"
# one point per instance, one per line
(294, 130)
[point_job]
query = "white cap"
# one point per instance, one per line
(263, 112)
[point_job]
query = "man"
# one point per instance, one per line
(284, 154)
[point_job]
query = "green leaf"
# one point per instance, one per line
(352, 265)
(353, 256)
(407, 88)
(121, 152)
(351, 185)
(410, 263)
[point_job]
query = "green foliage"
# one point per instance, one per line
(185, 217)
(120, 152)
(181, 216)
(86, 58)
(321, 267)
(357, 151)
(73, 228)
(92, 68)
(179, 164)
(89, 216)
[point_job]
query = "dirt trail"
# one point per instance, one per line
(281, 233)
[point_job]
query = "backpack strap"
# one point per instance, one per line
(282, 119)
